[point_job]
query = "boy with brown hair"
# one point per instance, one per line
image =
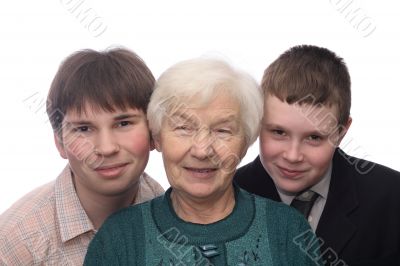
(97, 107)
(352, 205)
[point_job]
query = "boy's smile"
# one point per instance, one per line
(296, 148)
(107, 151)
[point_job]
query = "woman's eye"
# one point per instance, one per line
(314, 138)
(223, 131)
(184, 129)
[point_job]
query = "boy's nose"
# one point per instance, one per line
(293, 153)
(106, 144)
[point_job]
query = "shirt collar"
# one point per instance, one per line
(144, 192)
(322, 187)
(72, 218)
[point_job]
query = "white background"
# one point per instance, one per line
(37, 35)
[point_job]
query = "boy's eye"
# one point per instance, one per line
(124, 123)
(81, 129)
(278, 132)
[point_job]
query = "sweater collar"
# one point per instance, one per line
(231, 227)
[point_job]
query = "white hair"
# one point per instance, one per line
(201, 79)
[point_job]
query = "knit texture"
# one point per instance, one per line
(257, 232)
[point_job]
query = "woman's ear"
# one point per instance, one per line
(152, 145)
(157, 143)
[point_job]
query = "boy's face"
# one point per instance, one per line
(107, 151)
(297, 142)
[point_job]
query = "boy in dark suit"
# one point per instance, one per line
(353, 205)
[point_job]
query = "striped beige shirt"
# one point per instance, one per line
(49, 226)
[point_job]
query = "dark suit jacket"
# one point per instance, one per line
(361, 218)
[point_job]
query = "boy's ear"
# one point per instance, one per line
(345, 128)
(60, 145)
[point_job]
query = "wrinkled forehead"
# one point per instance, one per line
(220, 107)
(200, 99)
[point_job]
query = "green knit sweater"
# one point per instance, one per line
(257, 232)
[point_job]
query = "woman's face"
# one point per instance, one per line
(201, 146)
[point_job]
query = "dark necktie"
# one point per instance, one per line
(304, 202)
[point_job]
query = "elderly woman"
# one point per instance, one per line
(204, 114)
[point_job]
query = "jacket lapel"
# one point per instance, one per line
(267, 186)
(335, 226)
